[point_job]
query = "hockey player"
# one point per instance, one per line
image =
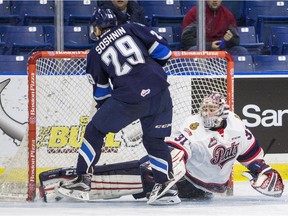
(130, 57)
(213, 141)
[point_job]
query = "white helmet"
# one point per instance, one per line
(213, 109)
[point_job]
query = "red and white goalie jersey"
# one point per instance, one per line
(211, 154)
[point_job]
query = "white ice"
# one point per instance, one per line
(245, 201)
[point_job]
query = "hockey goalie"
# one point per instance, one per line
(203, 151)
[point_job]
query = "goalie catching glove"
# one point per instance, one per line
(264, 179)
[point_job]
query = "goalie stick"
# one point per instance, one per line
(269, 146)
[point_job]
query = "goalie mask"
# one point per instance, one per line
(213, 110)
(103, 19)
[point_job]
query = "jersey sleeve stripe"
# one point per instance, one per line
(176, 145)
(251, 153)
(102, 92)
(159, 51)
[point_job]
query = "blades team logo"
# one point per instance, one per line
(194, 126)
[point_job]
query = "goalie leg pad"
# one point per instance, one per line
(108, 181)
(116, 180)
(50, 180)
(179, 166)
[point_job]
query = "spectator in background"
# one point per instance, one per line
(221, 29)
(125, 11)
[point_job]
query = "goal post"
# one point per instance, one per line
(60, 104)
(47, 64)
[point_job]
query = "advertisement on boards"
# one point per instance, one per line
(263, 104)
(13, 115)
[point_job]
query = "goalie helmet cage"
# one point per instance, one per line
(60, 104)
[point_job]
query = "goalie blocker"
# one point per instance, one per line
(110, 181)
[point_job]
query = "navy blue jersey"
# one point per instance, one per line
(130, 56)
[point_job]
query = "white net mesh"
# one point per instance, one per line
(64, 105)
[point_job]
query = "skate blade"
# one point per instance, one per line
(155, 197)
(166, 201)
(74, 194)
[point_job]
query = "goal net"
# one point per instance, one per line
(60, 104)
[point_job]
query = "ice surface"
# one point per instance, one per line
(245, 201)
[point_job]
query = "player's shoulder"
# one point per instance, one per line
(226, 11)
(235, 121)
(192, 10)
(92, 51)
(133, 25)
(234, 116)
(192, 122)
(191, 118)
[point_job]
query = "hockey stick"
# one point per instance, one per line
(269, 146)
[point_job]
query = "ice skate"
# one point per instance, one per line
(164, 194)
(77, 188)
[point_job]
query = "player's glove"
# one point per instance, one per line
(268, 181)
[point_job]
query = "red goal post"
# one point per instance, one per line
(60, 103)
